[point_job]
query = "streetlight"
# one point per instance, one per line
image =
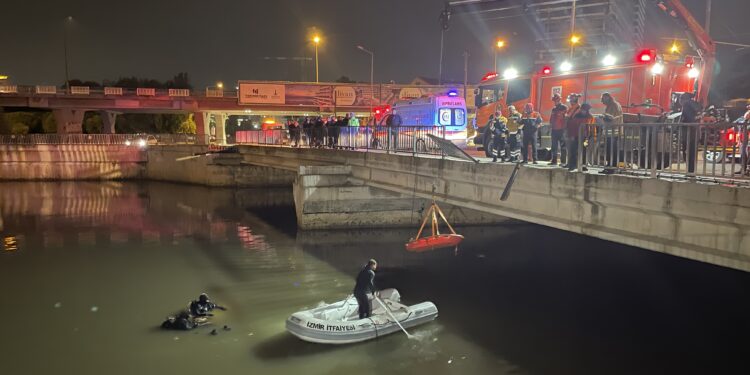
(68, 20)
(574, 39)
(316, 40)
(220, 85)
(675, 48)
(372, 70)
(566, 66)
(609, 60)
(500, 44)
(510, 73)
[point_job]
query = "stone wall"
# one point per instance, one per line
(180, 164)
(71, 162)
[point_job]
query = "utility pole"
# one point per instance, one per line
(572, 28)
(65, 47)
(708, 17)
(466, 73)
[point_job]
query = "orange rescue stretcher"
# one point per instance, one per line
(436, 240)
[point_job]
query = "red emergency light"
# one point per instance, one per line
(489, 76)
(646, 56)
(546, 71)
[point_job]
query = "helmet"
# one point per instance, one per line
(556, 96)
(528, 107)
(203, 297)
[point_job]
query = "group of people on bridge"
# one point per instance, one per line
(568, 123)
(319, 131)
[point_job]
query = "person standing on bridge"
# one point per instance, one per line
(557, 126)
(365, 284)
(294, 132)
(691, 111)
(613, 119)
(577, 128)
(307, 128)
(530, 122)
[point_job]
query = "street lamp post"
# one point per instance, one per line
(316, 40)
(500, 45)
(65, 47)
(372, 70)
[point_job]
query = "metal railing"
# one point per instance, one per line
(407, 139)
(141, 140)
(717, 151)
(81, 91)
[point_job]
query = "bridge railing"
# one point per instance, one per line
(136, 140)
(407, 139)
(717, 151)
(83, 91)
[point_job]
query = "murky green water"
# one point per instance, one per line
(90, 270)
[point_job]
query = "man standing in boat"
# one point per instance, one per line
(365, 284)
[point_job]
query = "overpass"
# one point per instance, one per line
(211, 105)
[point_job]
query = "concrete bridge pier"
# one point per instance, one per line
(109, 119)
(69, 121)
(220, 121)
(202, 131)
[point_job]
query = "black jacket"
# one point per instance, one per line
(365, 281)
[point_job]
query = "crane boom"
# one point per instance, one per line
(701, 41)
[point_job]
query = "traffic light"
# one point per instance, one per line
(646, 56)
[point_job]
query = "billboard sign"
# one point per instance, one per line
(262, 93)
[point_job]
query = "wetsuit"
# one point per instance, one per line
(198, 308)
(181, 323)
(365, 284)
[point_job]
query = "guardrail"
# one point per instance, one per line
(718, 151)
(139, 140)
(79, 91)
(407, 139)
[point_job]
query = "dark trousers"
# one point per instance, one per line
(690, 147)
(572, 145)
(558, 142)
(499, 146)
(365, 308)
(529, 139)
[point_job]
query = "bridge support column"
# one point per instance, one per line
(202, 131)
(220, 119)
(108, 121)
(69, 121)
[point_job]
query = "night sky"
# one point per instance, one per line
(223, 40)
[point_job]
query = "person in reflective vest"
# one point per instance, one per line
(530, 122)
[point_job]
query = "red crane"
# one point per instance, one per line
(699, 40)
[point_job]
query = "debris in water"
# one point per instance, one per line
(450, 360)
(250, 334)
(214, 332)
(94, 309)
(434, 339)
(176, 338)
(463, 357)
(58, 305)
(227, 328)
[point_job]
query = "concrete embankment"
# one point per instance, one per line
(71, 162)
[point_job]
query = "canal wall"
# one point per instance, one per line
(71, 162)
(705, 222)
(179, 164)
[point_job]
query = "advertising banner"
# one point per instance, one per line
(261, 93)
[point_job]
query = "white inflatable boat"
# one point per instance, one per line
(339, 323)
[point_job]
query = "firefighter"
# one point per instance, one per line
(557, 126)
(530, 122)
(365, 284)
(577, 128)
(691, 110)
(499, 131)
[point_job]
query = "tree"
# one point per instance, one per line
(345, 79)
(188, 125)
(92, 123)
(49, 124)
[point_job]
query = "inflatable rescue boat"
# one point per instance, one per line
(339, 323)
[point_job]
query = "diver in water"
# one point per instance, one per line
(203, 306)
(365, 284)
(183, 322)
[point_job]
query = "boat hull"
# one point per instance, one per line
(306, 326)
(434, 242)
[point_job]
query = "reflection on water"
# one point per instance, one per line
(89, 271)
